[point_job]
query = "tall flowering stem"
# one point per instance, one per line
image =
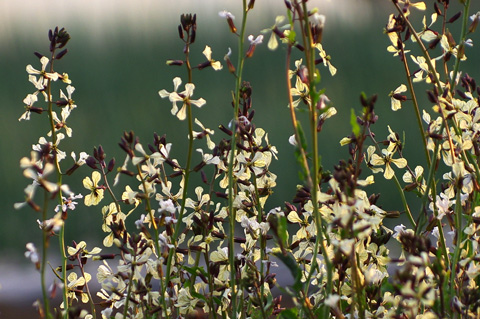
(313, 79)
(188, 24)
(53, 129)
(231, 161)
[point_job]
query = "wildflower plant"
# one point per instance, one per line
(173, 249)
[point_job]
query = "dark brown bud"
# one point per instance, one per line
(231, 25)
(437, 9)
(474, 24)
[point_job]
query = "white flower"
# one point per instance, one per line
(32, 253)
(332, 300)
(44, 76)
(227, 15)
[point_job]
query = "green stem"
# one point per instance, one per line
(231, 160)
(130, 283)
(45, 238)
(59, 183)
(294, 117)
(176, 233)
(263, 245)
(463, 35)
(90, 299)
(458, 241)
(321, 235)
(416, 107)
(404, 202)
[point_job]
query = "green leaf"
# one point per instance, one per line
(197, 295)
(195, 270)
(303, 173)
(282, 230)
(291, 313)
(291, 36)
(354, 124)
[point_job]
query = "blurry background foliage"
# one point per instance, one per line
(117, 60)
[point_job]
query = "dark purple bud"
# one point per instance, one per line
(221, 195)
(107, 256)
(408, 34)
(38, 54)
(204, 65)
(61, 54)
(239, 240)
(193, 35)
(111, 165)
(300, 47)
(72, 169)
(462, 95)
(101, 154)
(399, 97)
(363, 99)
(225, 130)
(288, 4)
(91, 162)
(180, 173)
(199, 167)
(432, 97)
(180, 32)
(434, 43)
(455, 17)
(175, 62)
(37, 110)
(204, 177)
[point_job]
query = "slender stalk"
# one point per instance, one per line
(45, 244)
(263, 245)
(59, 183)
(458, 241)
(130, 283)
(404, 201)
(90, 299)
(176, 233)
(415, 106)
(463, 35)
(293, 117)
(319, 242)
(109, 189)
(231, 196)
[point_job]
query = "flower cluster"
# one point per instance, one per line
(173, 249)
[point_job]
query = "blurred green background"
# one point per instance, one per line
(116, 61)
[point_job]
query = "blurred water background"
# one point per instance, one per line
(117, 59)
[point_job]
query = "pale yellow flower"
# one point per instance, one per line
(386, 159)
(96, 194)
